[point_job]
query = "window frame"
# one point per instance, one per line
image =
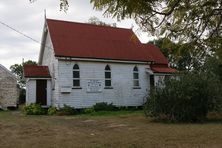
(136, 78)
(109, 79)
(76, 69)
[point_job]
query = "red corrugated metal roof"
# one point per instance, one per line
(34, 71)
(162, 68)
(80, 40)
(155, 54)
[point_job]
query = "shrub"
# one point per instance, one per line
(188, 99)
(66, 110)
(89, 110)
(34, 109)
(52, 111)
(103, 106)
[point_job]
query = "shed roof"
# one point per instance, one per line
(34, 71)
(158, 68)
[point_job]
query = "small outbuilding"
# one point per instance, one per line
(38, 84)
(9, 90)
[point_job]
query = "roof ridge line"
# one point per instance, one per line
(93, 25)
(8, 71)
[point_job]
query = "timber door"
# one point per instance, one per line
(41, 92)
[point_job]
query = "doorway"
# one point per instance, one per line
(41, 92)
(152, 81)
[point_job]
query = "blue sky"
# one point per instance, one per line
(29, 19)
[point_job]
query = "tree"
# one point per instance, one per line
(94, 20)
(213, 66)
(187, 99)
(196, 22)
(17, 69)
(180, 55)
(190, 96)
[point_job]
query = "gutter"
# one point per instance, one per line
(102, 60)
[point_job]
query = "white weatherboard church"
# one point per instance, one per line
(84, 64)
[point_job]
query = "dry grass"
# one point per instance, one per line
(128, 130)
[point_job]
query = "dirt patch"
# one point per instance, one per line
(117, 125)
(125, 131)
(88, 121)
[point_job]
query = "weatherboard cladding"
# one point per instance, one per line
(122, 93)
(9, 91)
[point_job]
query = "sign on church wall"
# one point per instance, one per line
(94, 86)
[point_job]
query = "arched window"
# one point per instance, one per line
(108, 82)
(76, 76)
(136, 77)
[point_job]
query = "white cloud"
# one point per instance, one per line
(29, 18)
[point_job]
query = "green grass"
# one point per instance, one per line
(112, 113)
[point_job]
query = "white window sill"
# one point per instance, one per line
(78, 87)
(136, 87)
(108, 87)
